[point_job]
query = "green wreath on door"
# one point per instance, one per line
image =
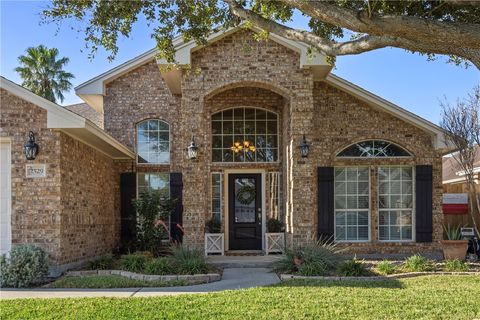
(246, 195)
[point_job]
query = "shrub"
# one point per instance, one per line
(213, 226)
(159, 266)
(316, 259)
(386, 267)
(152, 207)
(455, 266)
(26, 265)
(417, 263)
(133, 262)
(274, 225)
(103, 263)
(352, 268)
(188, 261)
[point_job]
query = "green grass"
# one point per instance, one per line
(105, 282)
(428, 297)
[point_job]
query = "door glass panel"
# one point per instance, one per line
(245, 195)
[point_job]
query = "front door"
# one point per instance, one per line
(245, 211)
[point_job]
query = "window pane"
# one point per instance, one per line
(352, 192)
(246, 127)
(373, 148)
(395, 204)
(216, 196)
(153, 142)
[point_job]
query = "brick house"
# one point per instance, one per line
(372, 177)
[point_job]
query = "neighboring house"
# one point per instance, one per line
(454, 183)
(372, 177)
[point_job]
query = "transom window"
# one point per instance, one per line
(373, 149)
(153, 142)
(244, 135)
(395, 221)
(352, 204)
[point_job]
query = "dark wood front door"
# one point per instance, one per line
(245, 211)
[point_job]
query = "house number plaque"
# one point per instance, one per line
(36, 171)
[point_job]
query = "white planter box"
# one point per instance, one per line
(274, 242)
(214, 243)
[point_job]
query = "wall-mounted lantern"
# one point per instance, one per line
(304, 147)
(192, 150)
(30, 148)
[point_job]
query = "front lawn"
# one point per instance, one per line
(113, 281)
(429, 297)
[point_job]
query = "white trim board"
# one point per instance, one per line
(70, 123)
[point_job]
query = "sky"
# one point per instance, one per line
(406, 79)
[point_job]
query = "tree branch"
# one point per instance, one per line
(406, 27)
(366, 43)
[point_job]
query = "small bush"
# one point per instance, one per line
(386, 267)
(417, 263)
(26, 265)
(352, 268)
(318, 268)
(274, 225)
(188, 261)
(159, 266)
(105, 262)
(317, 259)
(213, 226)
(455, 266)
(133, 262)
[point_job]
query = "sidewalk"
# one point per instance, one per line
(233, 278)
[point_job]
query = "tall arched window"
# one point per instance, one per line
(245, 135)
(153, 142)
(373, 149)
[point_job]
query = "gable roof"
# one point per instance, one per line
(70, 123)
(93, 90)
(378, 102)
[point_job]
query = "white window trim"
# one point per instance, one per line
(413, 205)
(278, 148)
(169, 144)
(355, 210)
(337, 155)
(221, 194)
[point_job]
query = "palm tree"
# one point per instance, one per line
(43, 74)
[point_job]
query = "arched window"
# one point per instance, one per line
(373, 149)
(244, 135)
(153, 142)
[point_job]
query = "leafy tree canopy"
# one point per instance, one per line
(336, 27)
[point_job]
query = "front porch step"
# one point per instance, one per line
(243, 261)
(245, 253)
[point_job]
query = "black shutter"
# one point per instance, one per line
(176, 219)
(325, 202)
(128, 192)
(423, 193)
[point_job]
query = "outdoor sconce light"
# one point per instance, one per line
(30, 148)
(192, 150)
(304, 147)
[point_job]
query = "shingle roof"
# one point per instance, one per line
(84, 110)
(451, 166)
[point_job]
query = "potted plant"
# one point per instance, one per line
(454, 247)
(214, 238)
(275, 236)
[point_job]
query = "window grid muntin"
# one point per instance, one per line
(399, 210)
(227, 139)
(163, 129)
(216, 196)
(144, 182)
(374, 142)
(350, 211)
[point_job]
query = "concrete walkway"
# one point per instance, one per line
(233, 278)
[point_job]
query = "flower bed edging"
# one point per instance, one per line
(285, 277)
(190, 279)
